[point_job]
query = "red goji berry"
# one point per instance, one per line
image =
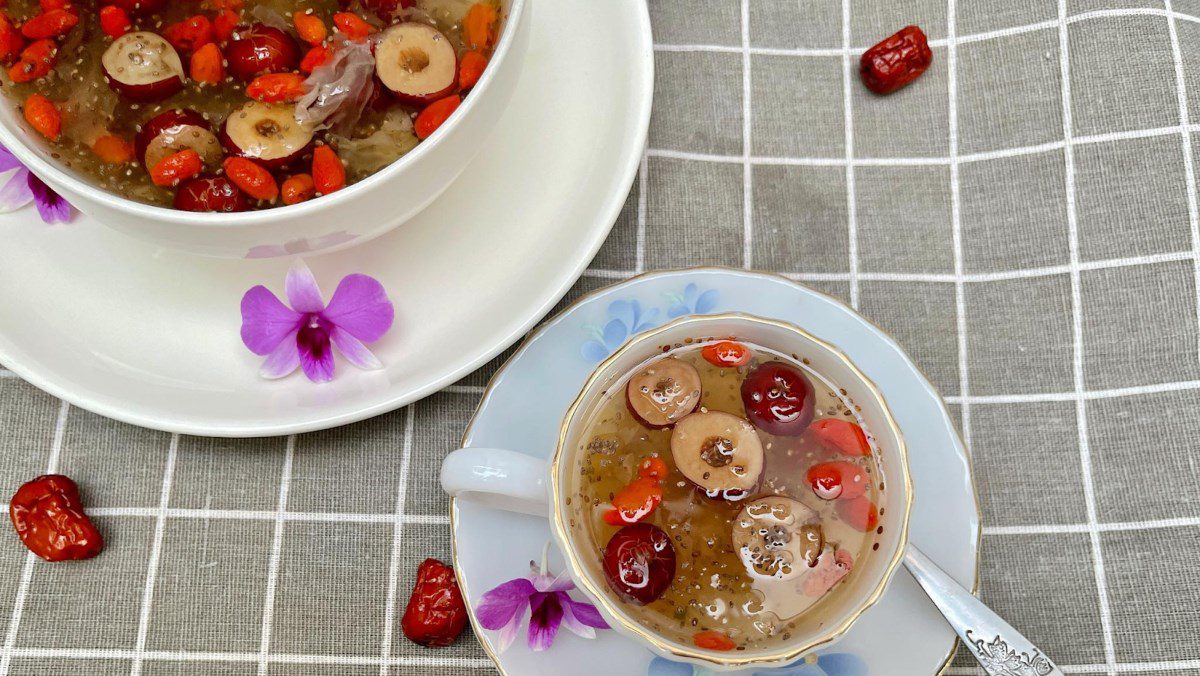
(11, 40)
(225, 23)
(48, 515)
(36, 61)
(114, 21)
(176, 167)
(726, 354)
(328, 172)
(190, 34)
(252, 178)
(276, 87)
(713, 640)
(842, 436)
(470, 68)
(50, 24)
(436, 614)
(896, 61)
(309, 27)
(43, 115)
(352, 26)
(297, 189)
(315, 58)
(432, 117)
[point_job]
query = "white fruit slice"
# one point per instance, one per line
(719, 452)
(143, 66)
(663, 392)
(416, 62)
(778, 537)
(267, 132)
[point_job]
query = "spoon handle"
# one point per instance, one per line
(1000, 649)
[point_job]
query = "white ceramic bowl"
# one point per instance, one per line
(355, 214)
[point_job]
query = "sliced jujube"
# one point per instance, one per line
(663, 392)
(143, 67)
(719, 452)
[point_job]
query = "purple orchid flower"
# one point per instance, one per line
(22, 187)
(304, 334)
(544, 597)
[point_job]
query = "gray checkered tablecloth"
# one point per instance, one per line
(1023, 219)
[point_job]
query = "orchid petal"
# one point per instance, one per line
(303, 294)
(498, 606)
(508, 633)
(8, 161)
(545, 617)
(585, 613)
(559, 583)
(50, 205)
(266, 321)
(361, 307)
(354, 351)
(16, 193)
(284, 359)
(579, 618)
(317, 363)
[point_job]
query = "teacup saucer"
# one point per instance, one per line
(523, 407)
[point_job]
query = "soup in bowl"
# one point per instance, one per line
(255, 128)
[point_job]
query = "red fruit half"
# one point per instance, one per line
(778, 399)
(261, 49)
(143, 67)
(211, 193)
(639, 563)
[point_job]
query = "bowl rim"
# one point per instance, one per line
(50, 171)
(787, 653)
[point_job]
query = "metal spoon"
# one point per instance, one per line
(999, 648)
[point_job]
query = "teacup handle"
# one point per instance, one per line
(514, 482)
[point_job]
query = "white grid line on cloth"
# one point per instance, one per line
(942, 42)
(639, 255)
(1085, 454)
(1089, 395)
(956, 230)
(268, 610)
(14, 622)
(983, 156)
(160, 525)
(935, 277)
(251, 515)
(1112, 527)
(277, 658)
(747, 136)
(1185, 137)
(389, 611)
(848, 121)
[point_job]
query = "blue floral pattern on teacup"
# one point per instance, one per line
(626, 318)
(829, 664)
(691, 302)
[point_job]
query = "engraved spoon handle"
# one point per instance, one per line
(1000, 649)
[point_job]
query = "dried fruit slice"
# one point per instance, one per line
(266, 132)
(778, 399)
(177, 129)
(416, 63)
(143, 67)
(719, 452)
(778, 537)
(639, 563)
(663, 392)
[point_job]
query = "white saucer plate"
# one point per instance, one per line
(524, 404)
(151, 336)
